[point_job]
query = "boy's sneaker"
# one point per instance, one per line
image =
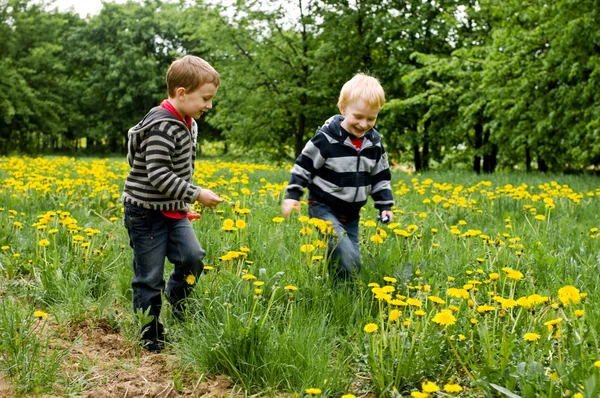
(155, 346)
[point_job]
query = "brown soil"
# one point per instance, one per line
(112, 367)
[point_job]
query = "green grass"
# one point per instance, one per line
(281, 340)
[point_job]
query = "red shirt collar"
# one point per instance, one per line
(168, 106)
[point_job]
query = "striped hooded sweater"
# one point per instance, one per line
(161, 153)
(339, 175)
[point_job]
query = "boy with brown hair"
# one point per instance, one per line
(341, 166)
(159, 190)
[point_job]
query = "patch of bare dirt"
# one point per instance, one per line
(114, 368)
(6, 389)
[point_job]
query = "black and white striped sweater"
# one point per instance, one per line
(339, 175)
(161, 153)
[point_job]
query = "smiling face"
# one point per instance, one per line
(196, 103)
(359, 117)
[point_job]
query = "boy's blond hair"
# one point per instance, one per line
(190, 72)
(364, 87)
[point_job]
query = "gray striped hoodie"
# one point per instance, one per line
(161, 153)
(339, 175)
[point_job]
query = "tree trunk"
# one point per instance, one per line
(490, 156)
(299, 135)
(542, 165)
(478, 145)
(527, 158)
(417, 156)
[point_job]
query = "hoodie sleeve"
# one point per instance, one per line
(381, 177)
(159, 152)
(310, 160)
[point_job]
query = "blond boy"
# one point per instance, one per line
(159, 190)
(341, 166)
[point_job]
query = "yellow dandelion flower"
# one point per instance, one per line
(248, 277)
(394, 315)
(419, 394)
(436, 299)
(579, 313)
(389, 279)
(597, 364)
(240, 224)
(376, 239)
(307, 248)
(370, 328)
(370, 223)
(420, 313)
(429, 386)
(531, 337)
(190, 279)
(278, 219)
(413, 302)
(452, 388)
(313, 391)
(44, 242)
(444, 318)
(569, 295)
(40, 314)
(291, 288)
(257, 291)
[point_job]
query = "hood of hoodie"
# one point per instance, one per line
(333, 128)
(155, 115)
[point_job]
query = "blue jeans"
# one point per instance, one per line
(343, 247)
(153, 238)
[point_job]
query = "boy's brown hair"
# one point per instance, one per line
(364, 87)
(190, 72)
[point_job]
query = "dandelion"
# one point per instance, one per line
(597, 364)
(376, 239)
(370, 328)
(413, 302)
(306, 231)
(228, 225)
(436, 299)
(307, 248)
(451, 388)
(240, 224)
(457, 293)
(190, 279)
(429, 386)
(258, 283)
(40, 314)
(531, 337)
(258, 292)
(248, 277)
(348, 396)
(494, 276)
(569, 295)
(419, 394)
(579, 313)
(540, 217)
(44, 242)
(291, 288)
(278, 219)
(317, 258)
(420, 313)
(444, 318)
(370, 223)
(394, 315)
(389, 279)
(482, 309)
(313, 391)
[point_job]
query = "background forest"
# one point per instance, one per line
(481, 85)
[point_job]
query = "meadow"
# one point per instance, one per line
(481, 286)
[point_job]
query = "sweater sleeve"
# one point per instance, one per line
(159, 151)
(310, 160)
(381, 178)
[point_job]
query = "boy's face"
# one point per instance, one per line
(359, 117)
(197, 102)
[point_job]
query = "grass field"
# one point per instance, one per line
(481, 286)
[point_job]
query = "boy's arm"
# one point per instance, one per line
(310, 160)
(160, 148)
(381, 178)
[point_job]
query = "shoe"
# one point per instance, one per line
(155, 346)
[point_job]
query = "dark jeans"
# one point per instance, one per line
(153, 238)
(343, 247)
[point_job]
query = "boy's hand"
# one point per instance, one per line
(386, 216)
(288, 205)
(208, 198)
